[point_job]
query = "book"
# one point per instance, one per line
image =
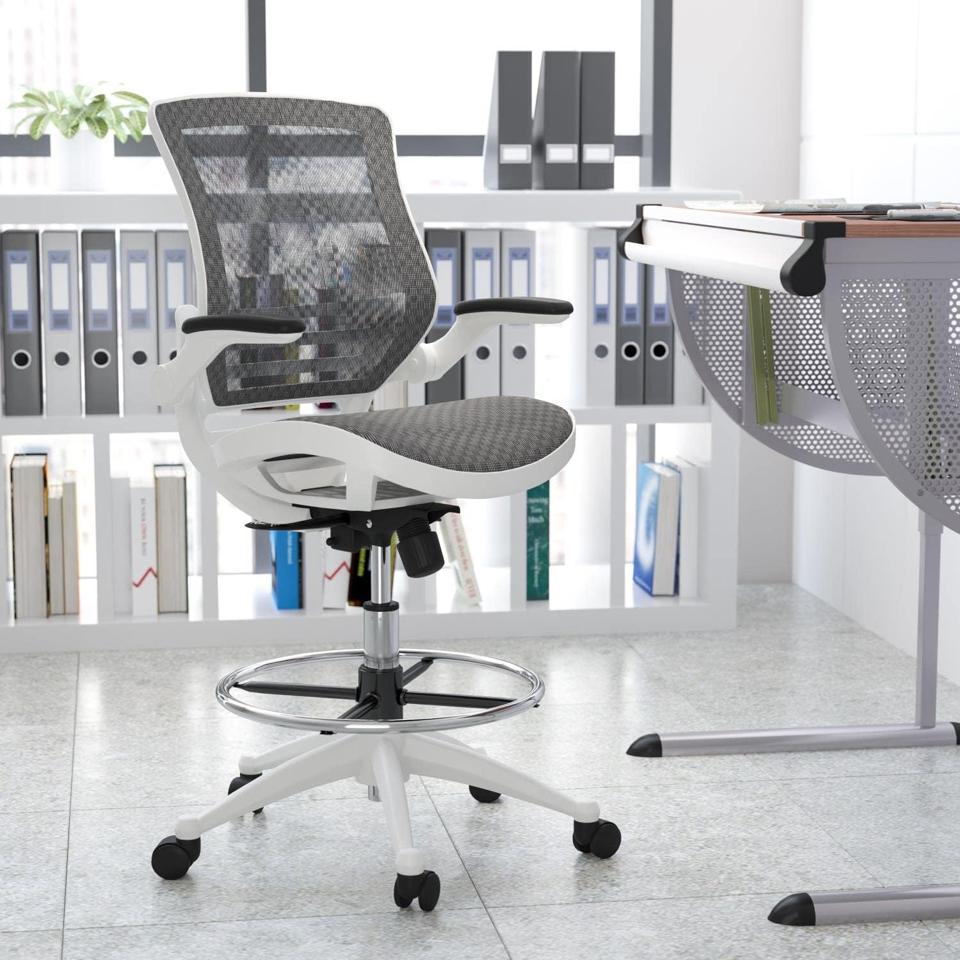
(688, 559)
(71, 544)
(287, 569)
(143, 547)
(457, 551)
(313, 550)
(28, 511)
(336, 577)
(170, 484)
(55, 548)
(657, 529)
(122, 571)
(538, 542)
(760, 339)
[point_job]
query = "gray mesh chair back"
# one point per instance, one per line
(299, 213)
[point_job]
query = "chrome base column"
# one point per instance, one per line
(381, 616)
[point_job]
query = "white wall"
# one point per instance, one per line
(880, 121)
(736, 124)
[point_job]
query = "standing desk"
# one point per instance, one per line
(834, 340)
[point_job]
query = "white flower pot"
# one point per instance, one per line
(81, 163)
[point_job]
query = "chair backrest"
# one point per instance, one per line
(297, 211)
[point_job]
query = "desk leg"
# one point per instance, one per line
(866, 906)
(923, 732)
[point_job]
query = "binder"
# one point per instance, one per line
(60, 316)
(175, 287)
(143, 547)
(538, 542)
(481, 367)
(508, 148)
(101, 380)
(170, 485)
(517, 273)
(658, 340)
(556, 123)
(444, 249)
(601, 312)
(138, 318)
(287, 569)
(597, 92)
(629, 357)
(22, 359)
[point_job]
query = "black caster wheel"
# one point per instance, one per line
(601, 838)
(172, 858)
(484, 796)
(241, 780)
(425, 889)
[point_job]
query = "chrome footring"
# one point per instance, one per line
(425, 725)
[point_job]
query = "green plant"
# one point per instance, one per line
(119, 112)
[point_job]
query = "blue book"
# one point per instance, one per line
(658, 527)
(285, 554)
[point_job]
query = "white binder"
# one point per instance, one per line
(175, 287)
(481, 280)
(60, 319)
(138, 318)
(601, 311)
(517, 273)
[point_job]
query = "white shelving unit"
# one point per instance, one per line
(232, 608)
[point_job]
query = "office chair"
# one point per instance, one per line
(313, 284)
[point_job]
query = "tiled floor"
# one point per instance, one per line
(100, 753)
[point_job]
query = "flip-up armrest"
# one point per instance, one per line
(204, 338)
(474, 317)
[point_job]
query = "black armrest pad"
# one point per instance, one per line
(245, 323)
(546, 306)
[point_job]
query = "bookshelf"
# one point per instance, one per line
(587, 597)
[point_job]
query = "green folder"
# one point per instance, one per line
(760, 332)
(538, 542)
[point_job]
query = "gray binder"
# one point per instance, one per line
(98, 253)
(508, 148)
(556, 123)
(597, 94)
(445, 250)
(630, 353)
(22, 361)
(658, 334)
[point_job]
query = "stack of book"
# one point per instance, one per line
(46, 576)
(85, 317)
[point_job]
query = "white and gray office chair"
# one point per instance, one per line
(313, 284)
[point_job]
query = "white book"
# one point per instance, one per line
(688, 555)
(143, 547)
(313, 567)
(170, 483)
(55, 548)
(457, 551)
(60, 313)
(28, 492)
(71, 545)
(138, 319)
(336, 576)
(481, 280)
(122, 570)
(517, 272)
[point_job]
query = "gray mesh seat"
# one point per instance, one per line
(480, 435)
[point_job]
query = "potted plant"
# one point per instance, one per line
(85, 117)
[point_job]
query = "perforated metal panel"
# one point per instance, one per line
(299, 213)
(902, 343)
(710, 315)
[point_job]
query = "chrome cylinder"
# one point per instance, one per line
(381, 635)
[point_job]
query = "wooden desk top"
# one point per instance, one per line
(856, 226)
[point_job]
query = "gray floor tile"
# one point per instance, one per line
(727, 928)
(903, 829)
(680, 840)
(190, 761)
(858, 763)
(37, 760)
(33, 851)
(295, 860)
(400, 935)
(38, 688)
(31, 945)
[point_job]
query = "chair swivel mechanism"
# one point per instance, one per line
(313, 285)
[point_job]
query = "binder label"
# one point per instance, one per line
(519, 272)
(98, 278)
(175, 271)
(631, 295)
(482, 272)
(444, 259)
(18, 282)
(601, 285)
(58, 263)
(138, 297)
